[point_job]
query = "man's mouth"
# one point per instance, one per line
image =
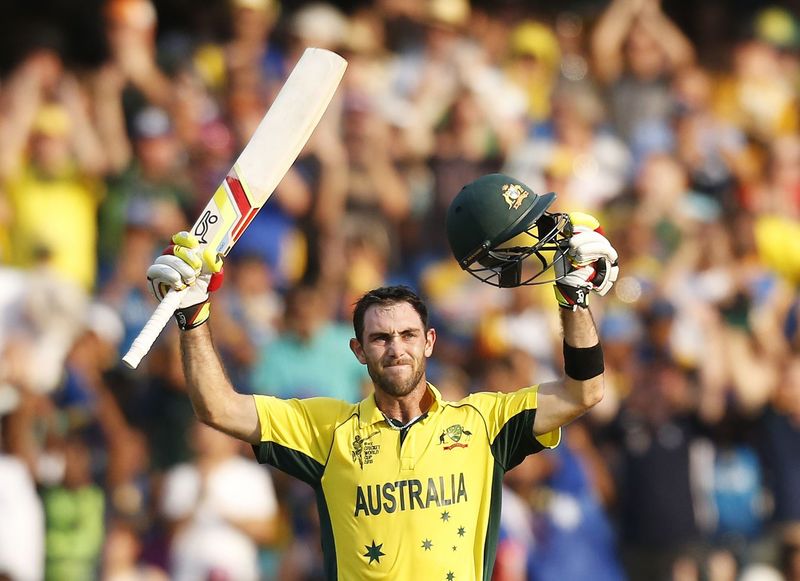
(403, 364)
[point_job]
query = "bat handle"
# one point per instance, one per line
(148, 335)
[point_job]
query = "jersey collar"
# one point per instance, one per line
(369, 414)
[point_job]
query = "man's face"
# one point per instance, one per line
(394, 347)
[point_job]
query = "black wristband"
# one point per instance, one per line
(582, 363)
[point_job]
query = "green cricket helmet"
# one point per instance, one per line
(496, 222)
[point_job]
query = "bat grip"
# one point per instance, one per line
(152, 329)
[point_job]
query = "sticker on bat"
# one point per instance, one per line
(203, 226)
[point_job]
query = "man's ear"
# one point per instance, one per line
(430, 339)
(358, 351)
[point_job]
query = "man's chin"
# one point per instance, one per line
(397, 380)
(397, 385)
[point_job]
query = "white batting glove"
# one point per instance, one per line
(589, 264)
(182, 265)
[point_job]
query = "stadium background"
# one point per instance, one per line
(677, 125)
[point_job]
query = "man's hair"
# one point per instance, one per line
(386, 296)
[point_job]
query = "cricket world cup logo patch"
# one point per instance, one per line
(364, 451)
(456, 436)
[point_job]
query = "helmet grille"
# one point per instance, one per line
(506, 266)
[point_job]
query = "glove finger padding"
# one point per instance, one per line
(587, 246)
(169, 272)
(183, 266)
(589, 264)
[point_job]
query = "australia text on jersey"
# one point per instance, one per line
(410, 494)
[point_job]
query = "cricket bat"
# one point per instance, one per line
(269, 154)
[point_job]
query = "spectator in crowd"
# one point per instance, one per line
(636, 49)
(51, 162)
(74, 513)
(534, 61)
(713, 150)
(291, 366)
(122, 557)
(22, 525)
(222, 507)
(130, 30)
(657, 433)
(588, 167)
(155, 186)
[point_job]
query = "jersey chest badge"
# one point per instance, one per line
(456, 436)
(363, 450)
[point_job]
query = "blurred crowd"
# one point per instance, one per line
(686, 149)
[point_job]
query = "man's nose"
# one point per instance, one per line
(394, 345)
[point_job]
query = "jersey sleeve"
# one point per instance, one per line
(509, 421)
(296, 434)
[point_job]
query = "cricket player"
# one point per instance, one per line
(407, 484)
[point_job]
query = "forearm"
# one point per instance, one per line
(18, 108)
(579, 328)
(89, 151)
(608, 39)
(215, 401)
(560, 402)
(109, 118)
(584, 373)
(86, 146)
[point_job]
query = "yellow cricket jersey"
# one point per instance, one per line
(419, 504)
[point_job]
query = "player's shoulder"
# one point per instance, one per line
(326, 411)
(486, 401)
(330, 405)
(480, 399)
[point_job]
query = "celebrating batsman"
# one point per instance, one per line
(408, 484)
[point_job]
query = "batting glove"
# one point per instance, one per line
(183, 265)
(589, 264)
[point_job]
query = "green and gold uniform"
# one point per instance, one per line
(422, 502)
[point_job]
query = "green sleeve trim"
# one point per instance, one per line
(293, 462)
(515, 440)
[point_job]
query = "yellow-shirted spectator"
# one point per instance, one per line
(534, 65)
(53, 203)
(51, 164)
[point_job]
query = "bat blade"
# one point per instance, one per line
(271, 151)
(275, 144)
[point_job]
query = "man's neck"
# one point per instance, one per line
(405, 408)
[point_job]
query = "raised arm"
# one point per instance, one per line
(87, 148)
(215, 401)
(21, 99)
(562, 401)
(590, 265)
(609, 36)
(677, 48)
